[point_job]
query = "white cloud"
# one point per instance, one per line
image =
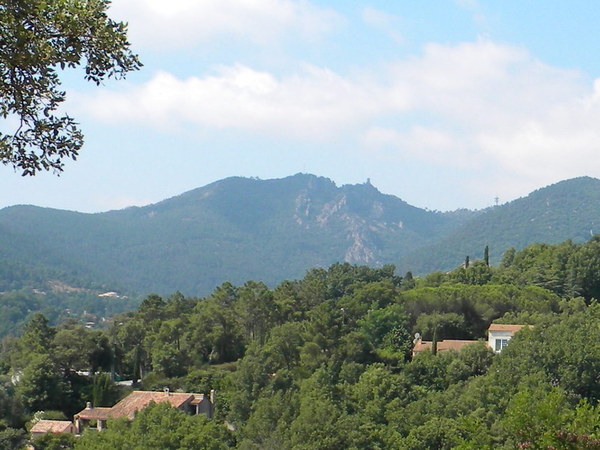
(496, 108)
(186, 23)
(478, 105)
(315, 103)
(419, 143)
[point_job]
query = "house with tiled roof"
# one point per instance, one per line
(138, 400)
(498, 337)
(44, 426)
(442, 346)
(500, 334)
(98, 415)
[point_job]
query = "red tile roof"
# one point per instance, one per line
(504, 327)
(52, 426)
(97, 413)
(138, 400)
(442, 346)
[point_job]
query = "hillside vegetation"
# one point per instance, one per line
(325, 362)
(29, 289)
(566, 210)
(232, 230)
(271, 230)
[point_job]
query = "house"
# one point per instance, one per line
(442, 346)
(43, 426)
(138, 400)
(498, 337)
(91, 414)
(500, 334)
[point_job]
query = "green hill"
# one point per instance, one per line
(232, 230)
(566, 210)
(241, 229)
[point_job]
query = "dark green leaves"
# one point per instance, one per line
(36, 38)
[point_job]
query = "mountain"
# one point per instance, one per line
(566, 210)
(231, 230)
(239, 229)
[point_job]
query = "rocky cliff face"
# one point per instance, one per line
(359, 213)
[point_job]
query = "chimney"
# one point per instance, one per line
(166, 391)
(212, 396)
(418, 339)
(88, 405)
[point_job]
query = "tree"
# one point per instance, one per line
(12, 437)
(73, 348)
(37, 334)
(545, 419)
(508, 257)
(387, 332)
(160, 426)
(41, 385)
(53, 441)
(439, 325)
(256, 308)
(215, 334)
(408, 282)
(37, 38)
(104, 391)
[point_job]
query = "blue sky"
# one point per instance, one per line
(444, 104)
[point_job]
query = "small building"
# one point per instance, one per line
(442, 346)
(138, 400)
(498, 337)
(500, 334)
(99, 415)
(44, 426)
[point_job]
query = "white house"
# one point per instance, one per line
(498, 337)
(500, 334)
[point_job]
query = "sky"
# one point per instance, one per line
(446, 104)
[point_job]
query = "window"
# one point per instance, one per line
(500, 344)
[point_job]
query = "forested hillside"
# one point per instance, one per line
(271, 230)
(325, 362)
(29, 289)
(566, 210)
(232, 230)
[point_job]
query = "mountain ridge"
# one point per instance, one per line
(237, 229)
(531, 219)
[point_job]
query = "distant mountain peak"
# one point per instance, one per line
(239, 228)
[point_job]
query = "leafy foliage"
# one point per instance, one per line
(324, 362)
(160, 426)
(38, 39)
